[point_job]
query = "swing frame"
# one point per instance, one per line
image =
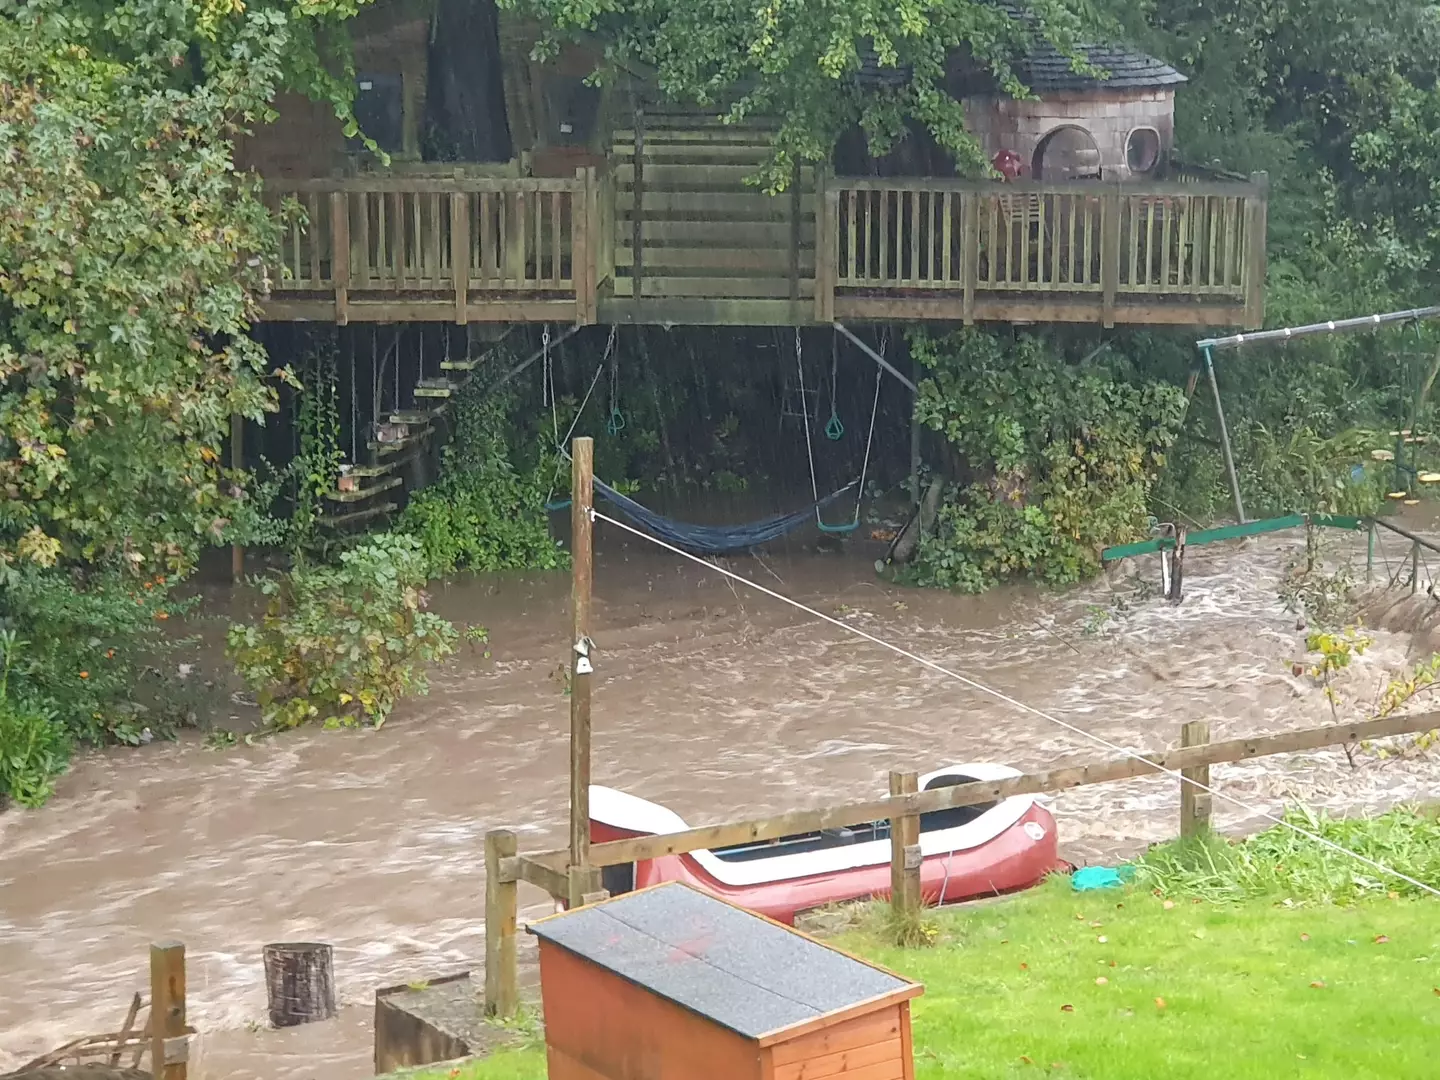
(846, 528)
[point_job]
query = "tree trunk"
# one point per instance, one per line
(300, 983)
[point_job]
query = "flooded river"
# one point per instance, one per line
(711, 700)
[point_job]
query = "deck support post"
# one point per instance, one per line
(905, 856)
(1370, 551)
(1225, 439)
(582, 493)
(501, 913)
(169, 1058)
(1194, 801)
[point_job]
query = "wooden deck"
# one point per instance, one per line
(659, 238)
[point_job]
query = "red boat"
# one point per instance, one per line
(968, 852)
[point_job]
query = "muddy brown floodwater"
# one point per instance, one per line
(711, 700)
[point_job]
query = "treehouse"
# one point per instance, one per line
(517, 192)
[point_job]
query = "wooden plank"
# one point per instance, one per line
(1194, 801)
(693, 232)
(460, 253)
(1109, 256)
(793, 269)
(702, 311)
(502, 994)
(907, 1048)
(1060, 779)
(636, 205)
(582, 576)
(825, 256)
(167, 1027)
(904, 849)
(969, 254)
(486, 309)
(544, 876)
(700, 176)
(749, 260)
(743, 205)
(340, 254)
(718, 288)
(845, 1062)
(880, 1026)
(1020, 190)
(427, 185)
(1256, 240)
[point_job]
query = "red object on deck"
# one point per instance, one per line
(1011, 845)
(1008, 164)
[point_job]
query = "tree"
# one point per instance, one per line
(131, 257)
(799, 59)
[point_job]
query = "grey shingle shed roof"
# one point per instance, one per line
(735, 969)
(1047, 70)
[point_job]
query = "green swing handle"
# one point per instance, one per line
(834, 429)
(616, 423)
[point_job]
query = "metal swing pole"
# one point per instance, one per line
(1225, 438)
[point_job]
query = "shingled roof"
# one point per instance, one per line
(1043, 68)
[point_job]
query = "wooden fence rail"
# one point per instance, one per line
(400, 248)
(964, 244)
(550, 870)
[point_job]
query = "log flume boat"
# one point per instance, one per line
(967, 852)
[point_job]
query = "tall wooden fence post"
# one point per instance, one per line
(1194, 801)
(169, 1048)
(582, 493)
(501, 913)
(904, 848)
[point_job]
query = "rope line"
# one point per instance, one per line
(1020, 705)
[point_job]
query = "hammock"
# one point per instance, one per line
(714, 539)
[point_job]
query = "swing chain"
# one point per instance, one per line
(834, 428)
(616, 424)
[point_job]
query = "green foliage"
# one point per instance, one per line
(342, 644)
(313, 472)
(1284, 865)
(93, 642)
(34, 747)
(799, 60)
(484, 513)
(1056, 459)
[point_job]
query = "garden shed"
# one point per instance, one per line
(670, 983)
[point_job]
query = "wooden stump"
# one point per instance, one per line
(300, 981)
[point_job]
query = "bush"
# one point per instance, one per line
(91, 640)
(483, 514)
(34, 746)
(1054, 459)
(344, 643)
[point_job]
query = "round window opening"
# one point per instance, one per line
(1142, 150)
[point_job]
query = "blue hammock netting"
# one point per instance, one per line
(710, 539)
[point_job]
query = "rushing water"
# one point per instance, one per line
(710, 699)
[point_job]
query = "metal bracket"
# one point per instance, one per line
(176, 1050)
(582, 656)
(913, 858)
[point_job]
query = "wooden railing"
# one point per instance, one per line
(462, 248)
(519, 249)
(1161, 252)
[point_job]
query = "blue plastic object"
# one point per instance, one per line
(1092, 878)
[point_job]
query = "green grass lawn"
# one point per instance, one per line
(1196, 991)
(1268, 981)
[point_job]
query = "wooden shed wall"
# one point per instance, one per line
(874, 1046)
(601, 1027)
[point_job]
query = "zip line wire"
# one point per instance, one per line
(998, 695)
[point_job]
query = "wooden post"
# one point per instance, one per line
(795, 206)
(300, 983)
(1256, 227)
(904, 848)
(340, 254)
(582, 245)
(969, 252)
(502, 996)
(237, 461)
(1109, 256)
(1194, 801)
(582, 494)
(169, 1048)
(637, 207)
(1370, 552)
(1414, 567)
(584, 885)
(460, 253)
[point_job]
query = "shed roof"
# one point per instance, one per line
(734, 968)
